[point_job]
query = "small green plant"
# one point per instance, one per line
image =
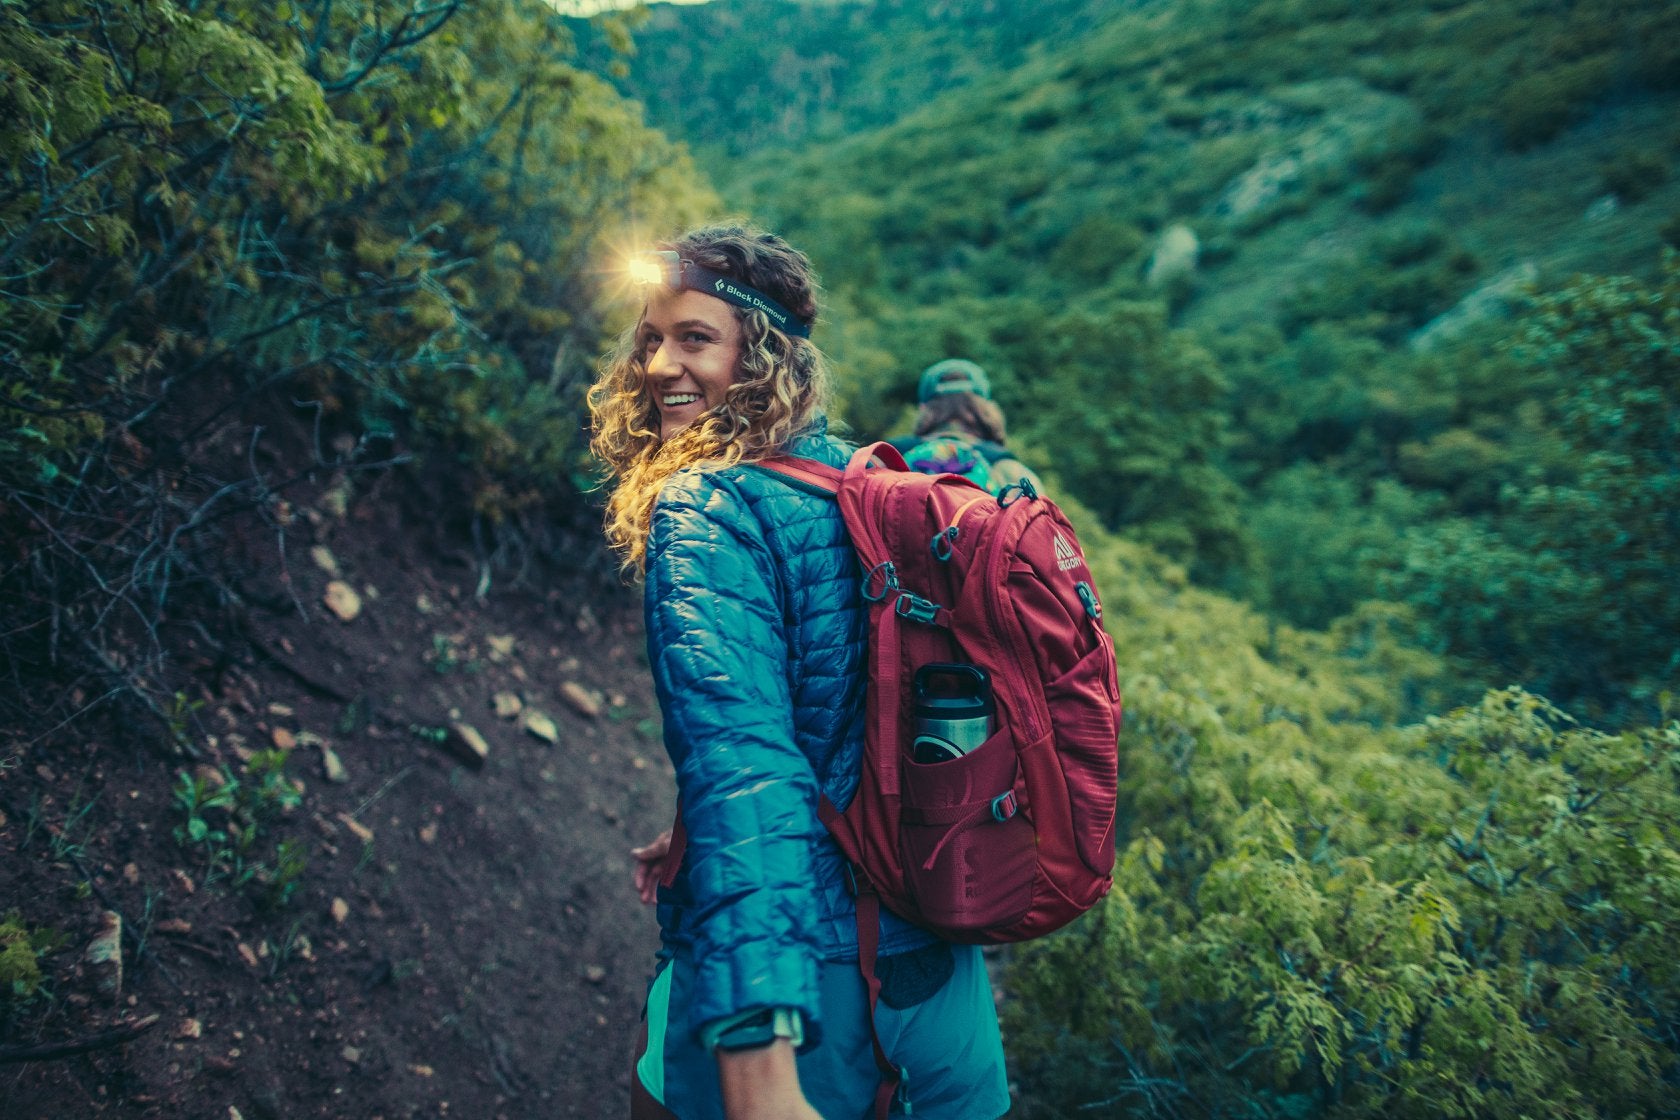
(229, 819)
(64, 842)
(198, 796)
(180, 716)
(21, 949)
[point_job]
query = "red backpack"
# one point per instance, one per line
(1014, 838)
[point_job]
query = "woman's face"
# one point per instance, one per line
(691, 347)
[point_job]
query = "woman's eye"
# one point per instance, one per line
(696, 336)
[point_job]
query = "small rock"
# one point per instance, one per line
(594, 974)
(104, 954)
(234, 1113)
(283, 739)
(506, 704)
(182, 880)
(1175, 256)
(350, 1054)
(246, 954)
(324, 559)
(423, 603)
(341, 599)
(284, 711)
(340, 910)
(585, 701)
(421, 1071)
(173, 925)
(361, 831)
(337, 500)
(501, 646)
(429, 833)
(539, 726)
(190, 1028)
(331, 767)
(131, 871)
(465, 740)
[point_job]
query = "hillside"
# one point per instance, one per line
(442, 934)
(732, 79)
(325, 729)
(1285, 257)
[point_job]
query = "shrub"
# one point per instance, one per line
(1632, 176)
(1463, 920)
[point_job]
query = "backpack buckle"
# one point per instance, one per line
(942, 542)
(1014, 492)
(915, 607)
(1089, 598)
(1004, 806)
(888, 573)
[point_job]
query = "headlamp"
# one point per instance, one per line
(668, 268)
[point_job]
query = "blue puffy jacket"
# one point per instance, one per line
(756, 634)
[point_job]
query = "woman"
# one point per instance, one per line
(960, 429)
(756, 632)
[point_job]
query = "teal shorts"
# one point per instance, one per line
(948, 1043)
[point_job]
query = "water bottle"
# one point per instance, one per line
(953, 709)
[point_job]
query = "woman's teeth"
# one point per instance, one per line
(673, 400)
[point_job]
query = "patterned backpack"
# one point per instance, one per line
(944, 455)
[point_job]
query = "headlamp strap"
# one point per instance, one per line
(680, 275)
(700, 279)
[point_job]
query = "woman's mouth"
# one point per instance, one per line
(677, 400)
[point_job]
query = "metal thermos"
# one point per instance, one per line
(953, 709)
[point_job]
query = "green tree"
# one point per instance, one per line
(1128, 412)
(1568, 587)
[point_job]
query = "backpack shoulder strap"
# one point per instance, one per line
(807, 471)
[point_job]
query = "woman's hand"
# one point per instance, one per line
(650, 865)
(763, 1084)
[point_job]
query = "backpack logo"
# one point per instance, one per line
(1066, 557)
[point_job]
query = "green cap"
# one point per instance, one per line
(953, 375)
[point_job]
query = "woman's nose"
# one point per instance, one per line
(660, 363)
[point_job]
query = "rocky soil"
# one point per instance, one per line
(465, 776)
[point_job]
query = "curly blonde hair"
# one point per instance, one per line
(780, 386)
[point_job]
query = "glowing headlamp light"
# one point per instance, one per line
(668, 268)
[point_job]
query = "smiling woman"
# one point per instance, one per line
(757, 383)
(756, 627)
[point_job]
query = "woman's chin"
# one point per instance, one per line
(673, 423)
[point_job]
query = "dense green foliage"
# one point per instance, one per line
(730, 78)
(1413, 387)
(1415, 396)
(1472, 917)
(362, 226)
(1327, 401)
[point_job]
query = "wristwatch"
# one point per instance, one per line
(760, 1028)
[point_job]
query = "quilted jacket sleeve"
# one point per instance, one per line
(719, 653)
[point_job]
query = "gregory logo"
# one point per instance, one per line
(1066, 557)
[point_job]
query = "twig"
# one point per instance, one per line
(49, 1051)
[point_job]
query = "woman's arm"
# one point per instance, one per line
(718, 651)
(763, 1084)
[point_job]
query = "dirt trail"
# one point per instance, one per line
(464, 941)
